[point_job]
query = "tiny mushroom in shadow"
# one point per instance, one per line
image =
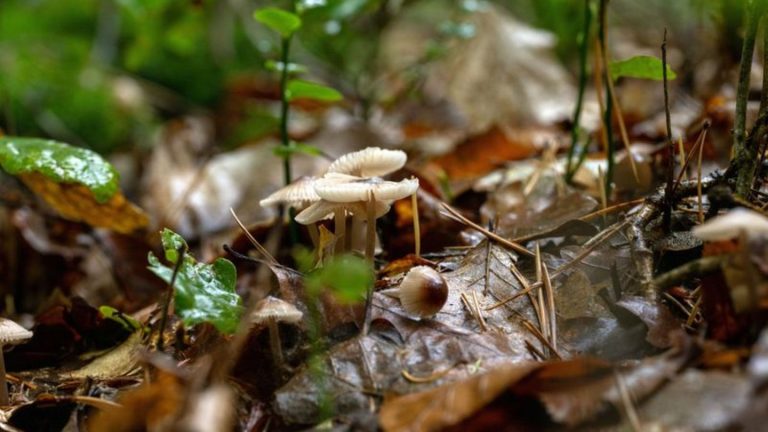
(10, 334)
(270, 311)
(422, 293)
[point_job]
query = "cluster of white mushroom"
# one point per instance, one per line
(352, 186)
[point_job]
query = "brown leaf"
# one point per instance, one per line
(447, 405)
(483, 153)
(148, 407)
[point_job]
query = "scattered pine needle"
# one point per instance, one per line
(268, 256)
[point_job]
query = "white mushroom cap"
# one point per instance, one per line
(300, 193)
(731, 224)
(325, 209)
(344, 189)
(12, 333)
(369, 162)
(272, 308)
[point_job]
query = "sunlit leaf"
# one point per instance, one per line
(300, 89)
(347, 277)
(644, 67)
(59, 162)
(294, 147)
(203, 292)
(283, 22)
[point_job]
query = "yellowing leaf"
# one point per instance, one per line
(76, 202)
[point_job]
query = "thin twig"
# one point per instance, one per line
(689, 270)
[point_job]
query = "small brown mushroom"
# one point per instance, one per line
(422, 293)
(10, 334)
(270, 311)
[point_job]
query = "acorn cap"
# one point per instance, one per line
(369, 162)
(272, 308)
(325, 209)
(12, 333)
(299, 193)
(344, 188)
(731, 224)
(423, 291)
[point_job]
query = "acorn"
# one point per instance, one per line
(423, 292)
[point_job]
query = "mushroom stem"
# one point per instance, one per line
(370, 242)
(416, 227)
(274, 343)
(3, 386)
(358, 236)
(339, 230)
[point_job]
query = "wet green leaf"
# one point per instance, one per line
(283, 22)
(644, 67)
(203, 292)
(300, 89)
(61, 163)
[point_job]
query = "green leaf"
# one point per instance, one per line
(203, 292)
(61, 163)
(347, 277)
(643, 67)
(300, 89)
(127, 321)
(294, 147)
(283, 22)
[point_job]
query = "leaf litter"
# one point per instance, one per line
(568, 307)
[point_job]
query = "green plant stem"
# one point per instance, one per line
(169, 296)
(745, 160)
(601, 30)
(667, 217)
(583, 50)
(285, 108)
